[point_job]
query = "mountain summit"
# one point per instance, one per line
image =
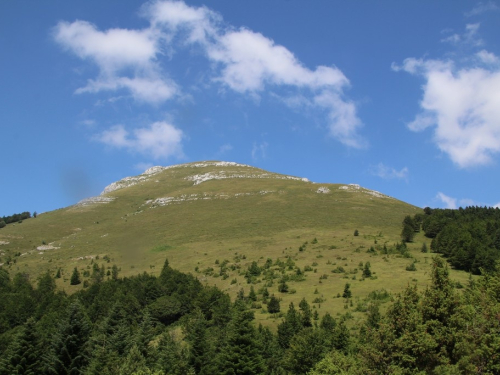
(201, 215)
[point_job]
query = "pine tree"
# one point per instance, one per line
(328, 323)
(289, 327)
(341, 337)
(172, 359)
(347, 291)
(424, 248)
(306, 349)
(196, 335)
(134, 362)
(407, 233)
(306, 313)
(24, 355)
(366, 270)
(75, 277)
(252, 296)
(145, 334)
(111, 342)
(70, 350)
(114, 272)
(273, 306)
(241, 354)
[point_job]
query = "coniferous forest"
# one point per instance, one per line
(468, 237)
(172, 324)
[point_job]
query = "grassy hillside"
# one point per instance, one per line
(204, 215)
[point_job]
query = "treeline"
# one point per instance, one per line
(172, 324)
(468, 237)
(14, 218)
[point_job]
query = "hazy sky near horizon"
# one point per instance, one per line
(402, 97)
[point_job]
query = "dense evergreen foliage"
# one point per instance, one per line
(172, 324)
(468, 237)
(14, 218)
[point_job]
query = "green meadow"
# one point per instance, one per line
(217, 228)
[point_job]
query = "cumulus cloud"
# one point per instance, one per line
(126, 59)
(383, 171)
(161, 140)
(175, 16)
(242, 60)
(481, 8)
(470, 36)
(461, 104)
(448, 201)
(454, 203)
(487, 57)
(250, 62)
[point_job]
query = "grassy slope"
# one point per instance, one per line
(270, 218)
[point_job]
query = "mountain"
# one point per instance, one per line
(214, 219)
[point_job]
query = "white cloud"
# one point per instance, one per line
(342, 120)
(487, 57)
(454, 203)
(481, 7)
(224, 149)
(383, 171)
(250, 60)
(161, 140)
(126, 59)
(259, 151)
(112, 50)
(470, 36)
(88, 123)
(463, 107)
(448, 201)
(245, 61)
(175, 16)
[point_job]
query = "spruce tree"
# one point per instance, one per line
(75, 277)
(273, 306)
(407, 233)
(306, 349)
(347, 291)
(328, 323)
(306, 313)
(241, 354)
(144, 335)
(196, 335)
(172, 359)
(252, 296)
(70, 350)
(366, 270)
(134, 363)
(289, 327)
(341, 337)
(24, 355)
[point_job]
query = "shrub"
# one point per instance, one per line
(411, 267)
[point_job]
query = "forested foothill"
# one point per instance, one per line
(469, 238)
(172, 324)
(16, 218)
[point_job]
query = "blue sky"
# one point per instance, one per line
(399, 97)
